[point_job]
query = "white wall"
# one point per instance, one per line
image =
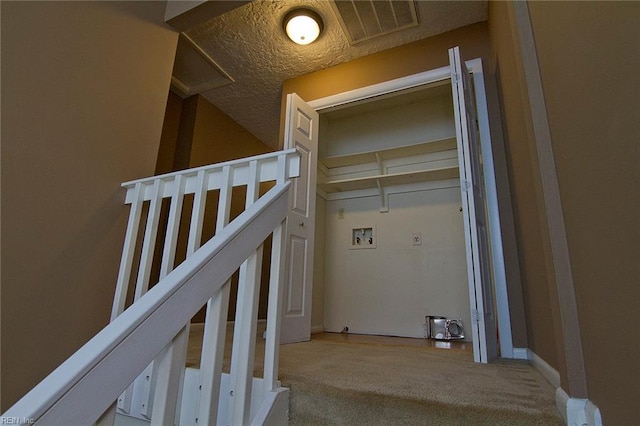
(407, 119)
(389, 290)
(317, 300)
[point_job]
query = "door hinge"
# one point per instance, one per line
(475, 316)
(465, 185)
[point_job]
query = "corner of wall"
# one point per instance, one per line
(547, 371)
(317, 328)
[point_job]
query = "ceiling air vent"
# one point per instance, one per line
(364, 20)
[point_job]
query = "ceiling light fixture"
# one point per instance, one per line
(302, 26)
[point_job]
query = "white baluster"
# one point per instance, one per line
(173, 226)
(124, 274)
(244, 336)
(149, 242)
(283, 165)
(170, 364)
(145, 382)
(276, 293)
(274, 310)
(197, 214)
(215, 327)
(168, 374)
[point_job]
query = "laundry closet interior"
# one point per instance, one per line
(390, 245)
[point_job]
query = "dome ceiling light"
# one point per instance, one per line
(302, 26)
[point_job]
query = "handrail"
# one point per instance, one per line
(138, 335)
(268, 171)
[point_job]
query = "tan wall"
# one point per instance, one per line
(218, 138)
(84, 87)
(531, 229)
(197, 133)
(589, 60)
(170, 134)
(399, 62)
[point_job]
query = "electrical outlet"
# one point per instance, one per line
(417, 239)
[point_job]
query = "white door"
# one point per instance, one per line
(485, 345)
(301, 132)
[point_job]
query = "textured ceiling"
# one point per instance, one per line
(249, 44)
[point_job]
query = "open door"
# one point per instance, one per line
(301, 132)
(485, 345)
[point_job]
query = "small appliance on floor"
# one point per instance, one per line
(442, 328)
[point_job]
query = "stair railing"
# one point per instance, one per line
(155, 326)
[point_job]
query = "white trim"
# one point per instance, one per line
(520, 353)
(552, 203)
(577, 411)
(380, 89)
(432, 76)
(493, 212)
(395, 189)
(547, 371)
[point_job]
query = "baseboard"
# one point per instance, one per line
(520, 353)
(547, 371)
(577, 411)
(315, 329)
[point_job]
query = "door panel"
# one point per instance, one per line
(301, 132)
(485, 346)
(295, 293)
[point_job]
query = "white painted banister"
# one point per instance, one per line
(85, 385)
(156, 325)
(268, 172)
(197, 181)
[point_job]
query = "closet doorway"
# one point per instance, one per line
(394, 246)
(419, 173)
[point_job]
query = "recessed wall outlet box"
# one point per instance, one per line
(417, 239)
(364, 237)
(340, 213)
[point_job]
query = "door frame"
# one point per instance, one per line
(497, 258)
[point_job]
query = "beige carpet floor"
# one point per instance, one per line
(337, 381)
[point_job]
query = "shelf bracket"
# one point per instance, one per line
(379, 161)
(384, 205)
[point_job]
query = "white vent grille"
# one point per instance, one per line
(364, 20)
